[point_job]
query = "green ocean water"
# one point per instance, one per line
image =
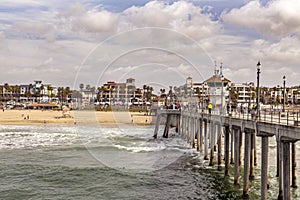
(66, 162)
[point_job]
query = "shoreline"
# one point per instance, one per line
(82, 117)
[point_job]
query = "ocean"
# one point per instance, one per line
(106, 162)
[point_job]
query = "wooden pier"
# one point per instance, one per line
(203, 131)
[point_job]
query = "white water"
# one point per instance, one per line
(126, 148)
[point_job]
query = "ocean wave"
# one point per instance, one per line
(16, 137)
(141, 149)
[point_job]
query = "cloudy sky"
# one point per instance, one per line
(158, 43)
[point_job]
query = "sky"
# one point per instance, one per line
(159, 43)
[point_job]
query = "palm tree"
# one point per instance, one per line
(93, 89)
(67, 92)
(81, 86)
(50, 89)
(233, 96)
(7, 87)
(162, 91)
(42, 90)
(277, 100)
(145, 89)
(28, 92)
(60, 91)
(1, 91)
(15, 91)
(100, 93)
(295, 93)
(149, 93)
(252, 96)
(37, 94)
(7, 90)
(265, 94)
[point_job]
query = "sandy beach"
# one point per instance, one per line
(77, 117)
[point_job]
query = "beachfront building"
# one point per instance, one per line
(293, 95)
(245, 92)
(114, 93)
(25, 93)
(276, 94)
(191, 90)
(88, 96)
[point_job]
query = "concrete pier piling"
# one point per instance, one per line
(167, 127)
(189, 129)
(231, 146)
(194, 132)
(226, 143)
(236, 133)
(294, 166)
(252, 152)
(240, 147)
(185, 129)
(280, 166)
(255, 146)
(212, 143)
(191, 132)
(201, 135)
(246, 165)
(192, 139)
(205, 141)
(198, 134)
(264, 167)
(219, 135)
(177, 124)
(286, 170)
(278, 157)
(157, 125)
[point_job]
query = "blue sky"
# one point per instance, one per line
(68, 42)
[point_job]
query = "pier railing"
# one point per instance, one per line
(289, 118)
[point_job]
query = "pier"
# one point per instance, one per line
(204, 130)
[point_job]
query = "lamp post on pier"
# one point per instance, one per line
(257, 90)
(222, 94)
(283, 108)
(202, 94)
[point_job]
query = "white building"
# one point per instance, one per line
(245, 91)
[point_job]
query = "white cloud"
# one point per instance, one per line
(240, 56)
(93, 20)
(2, 36)
(181, 16)
(26, 60)
(277, 19)
(20, 3)
(32, 30)
(49, 40)
(286, 50)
